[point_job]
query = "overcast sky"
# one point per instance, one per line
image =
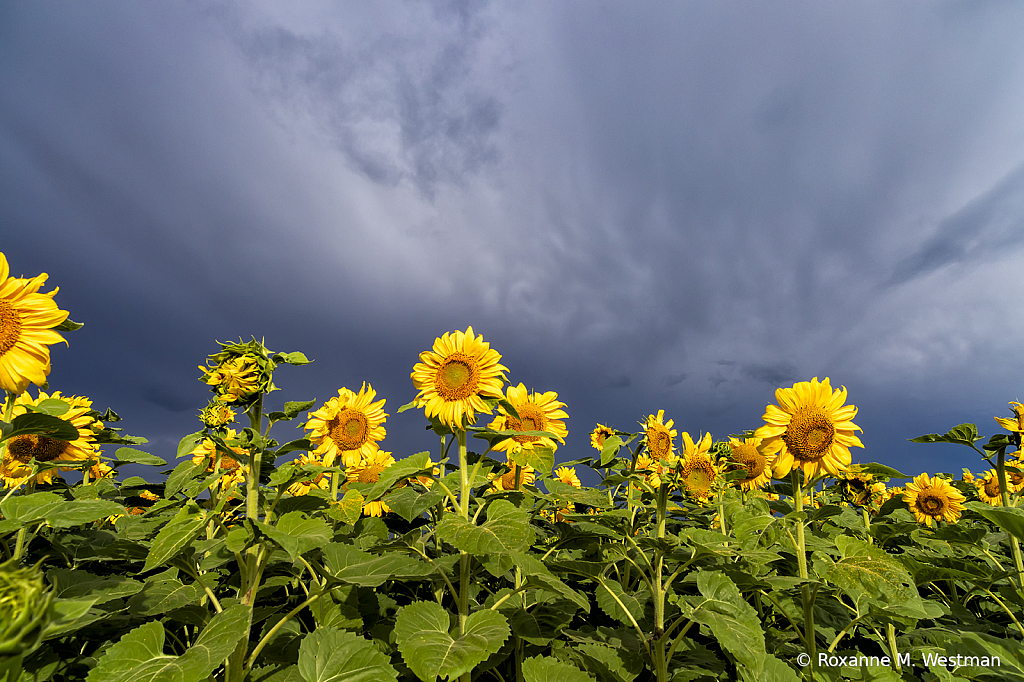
(677, 206)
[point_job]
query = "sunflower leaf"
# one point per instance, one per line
(1010, 519)
(876, 469)
(189, 443)
(422, 632)
(31, 507)
(964, 434)
(80, 512)
(542, 669)
(174, 537)
(403, 468)
(138, 457)
(407, 406)
(297, 534)
(33, 423)
(51, 406)
(68, 325)
(507, 529)
(612, 444)
(294, 358)
(333, 655)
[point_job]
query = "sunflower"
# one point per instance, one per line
(968, 477)
(650, 469)
(27, 319)
(747, 454)
(21, 449)
(659, 436)
(856, 487)
(101, 470)
(599, 434)
(216, 414)
(932, 499)
(568, 476)
(1015, 481)
(455, 376)
(349, 426)
(507, 481)
(235, 379)
(205, 454)
(988, 488)
(696, 470)
(1015, 423)
(537, 412)
(810, 428)
(321, 481)
(367, 470)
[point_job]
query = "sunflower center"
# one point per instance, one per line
(370, 473)
(530, 420)
(931, 503)
(810, 434)
(659, 441)
(10, 327)
(24, 448)
(456, 378)
(992, 487)
(698, 476)
(349, 430)
(750, 459)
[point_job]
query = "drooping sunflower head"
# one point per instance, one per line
(856, 487)
(747, 456)
(1016, 422)
(537, 412)
(216, 415)
(22, 449)
(348, 427)
(989, 490)
(810, 428)
(599, 434)
(454, 378)
(932, 499)
(27, 321)
(568, 476)
(240, 372)
(659, 436)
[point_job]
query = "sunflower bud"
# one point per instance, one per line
(216, 414)
(24, 610)
(240, 372)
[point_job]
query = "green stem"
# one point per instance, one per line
(890, 636)
(1018, 560)
(801, 562)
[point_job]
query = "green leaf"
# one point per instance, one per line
(507, 529)
(543, 669)
(291, 410)
(587, 496)
(538, 573)
(349, 508)
(51, 406)
(773, 669)
(174, 537)
(876, 469)
(407, 406)
(410, 504)
(182, 474)
(297, 534)
(79, 512)
(29, 508)
(964, 434)
(403, 468)
(136, 657)
(187, 444)
(867, 571)
(1010, 519)
(612, 444)
(33, 423)
(357, 567)
(333, 655)
(68, 584)
(541, 459)
(68, 326)
(732, 621)
(138, 457)
(986, 648)
(163, 595)
(293, 358)
(611, 598)
(422, 632)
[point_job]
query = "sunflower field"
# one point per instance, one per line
(767, 555)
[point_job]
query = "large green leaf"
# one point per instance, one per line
(964, 434)
(410, 504)
(139, 656)
(297, 534)
(772, 669)
(175, 537)
(983, 649)
(608, 664)
(180, 476)
(541, 459)
(160, 595)
(403, 468)
(29, 508)
(732, 621)
(68, 584)
(333, 655)
(1010, 519)
(537, 573)
(357, 567)
(44, 425)
(422, 632)
(138, 457)
(865, 571)
(587, 496)
(507, 529)
(78, 512)
(611, 598)
(543, 669)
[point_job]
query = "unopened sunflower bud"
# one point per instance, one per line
(24, 609)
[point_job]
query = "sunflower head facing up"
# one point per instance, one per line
(933, 499)
(697, 473)
(810, 428)
(568, 476)
(988, 488)
(22, 449)
(1016, 422)
(537, 412)
(27, 321)
(599, 435)
(747, 456)
(454, 378)
(659, 436)
(348, 427)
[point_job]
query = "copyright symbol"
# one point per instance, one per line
(803, 659)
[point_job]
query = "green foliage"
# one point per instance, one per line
(432, 648)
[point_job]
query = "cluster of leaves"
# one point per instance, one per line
(634, 582)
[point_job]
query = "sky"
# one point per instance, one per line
(677, 206)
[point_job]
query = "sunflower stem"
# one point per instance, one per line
(801, 562)
(19, 543)
(1004, 493)
(662, 507)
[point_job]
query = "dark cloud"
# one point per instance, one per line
(776, 375)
